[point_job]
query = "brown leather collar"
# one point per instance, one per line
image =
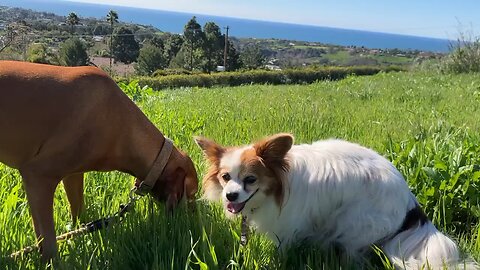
(157, 168)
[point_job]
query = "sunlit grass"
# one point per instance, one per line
(426, 124)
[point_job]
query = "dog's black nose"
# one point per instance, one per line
(232, 196)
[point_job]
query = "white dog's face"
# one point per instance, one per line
(242, 178)
(245, 177)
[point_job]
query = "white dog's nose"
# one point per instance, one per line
(232, 196)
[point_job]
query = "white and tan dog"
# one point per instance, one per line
(330, 192)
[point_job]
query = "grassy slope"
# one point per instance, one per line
(383, 112)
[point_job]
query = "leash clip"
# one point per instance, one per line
(134, 193)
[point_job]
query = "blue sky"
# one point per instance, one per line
(432, 18)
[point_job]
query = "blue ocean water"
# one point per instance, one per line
(174, 22)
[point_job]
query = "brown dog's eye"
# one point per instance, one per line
(226, 176)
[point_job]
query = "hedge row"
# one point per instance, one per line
(293, 76)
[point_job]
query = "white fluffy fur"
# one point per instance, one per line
(345, 194)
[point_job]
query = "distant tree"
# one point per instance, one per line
(233, 58)
(112, 18)
(194, 37)
(9, 37)
(125, 47)
(15, 37)
(150, 59)
(37, 53)
(100, 29)
(73, 52)
(72, 20)
(252, 57)
(394, 51)
(181, 59)
(213, 45)
(156, 41)
(172, 45)
(10, 54)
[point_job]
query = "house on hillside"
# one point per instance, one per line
(273, 67)
(98, 38)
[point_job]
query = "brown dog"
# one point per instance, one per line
(58, 122)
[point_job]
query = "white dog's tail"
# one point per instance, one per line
(424, 247)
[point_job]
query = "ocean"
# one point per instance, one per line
(174, 22)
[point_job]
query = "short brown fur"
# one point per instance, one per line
(273, 154)
(59, 122)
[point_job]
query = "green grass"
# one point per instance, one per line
(343, 57)
(339, 56)
(390, 59)
(427, 124)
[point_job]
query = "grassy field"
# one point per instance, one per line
(427, 124)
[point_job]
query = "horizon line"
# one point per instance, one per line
(258, 20)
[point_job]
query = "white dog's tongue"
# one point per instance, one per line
(235, 208)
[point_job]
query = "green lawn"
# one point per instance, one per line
(389, 59)
(427, 124)
(340, 57)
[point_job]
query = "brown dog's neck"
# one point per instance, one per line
(144, 156)
(139, 147)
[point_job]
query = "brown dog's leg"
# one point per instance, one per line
(40, 193)
(73, 185)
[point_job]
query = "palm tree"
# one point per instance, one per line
(72, 20)
(112, 18)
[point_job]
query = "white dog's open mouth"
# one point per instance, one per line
(236, 208)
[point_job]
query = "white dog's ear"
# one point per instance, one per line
(213, 151)
(274, 147)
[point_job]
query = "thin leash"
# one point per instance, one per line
(143, 188)
(244, 234)
(90, 227)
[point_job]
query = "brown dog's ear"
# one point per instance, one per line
(191, 181)
(174, 186)
(274, 148)
(171, 203)
(213, 151)
(191, 188)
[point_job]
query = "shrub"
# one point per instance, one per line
(37, 53)
(171, 71)
(134, 91)
(293, 76)
(464, 56)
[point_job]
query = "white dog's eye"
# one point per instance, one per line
(249, 179)
(226, 176)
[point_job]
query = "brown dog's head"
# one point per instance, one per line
(178, 179)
